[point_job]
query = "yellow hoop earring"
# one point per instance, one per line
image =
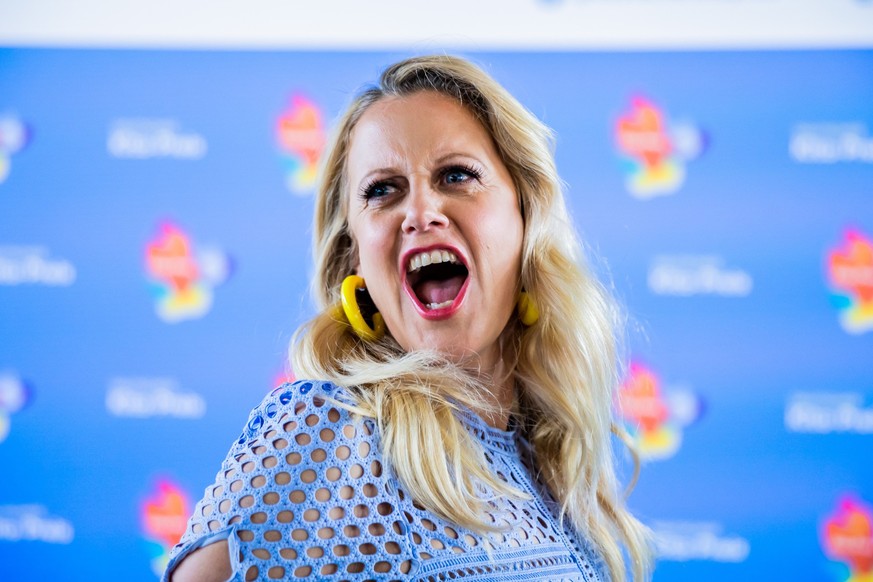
(527, 309)
(353, 311)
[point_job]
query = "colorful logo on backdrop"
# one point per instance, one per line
(655, 150)
(14, 137)
(164, 516)
(655, 418)
(183, 276)
(14, 395)
(850, 277)
(300, 136)
(847, 538)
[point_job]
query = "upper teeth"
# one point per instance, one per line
(431, 258)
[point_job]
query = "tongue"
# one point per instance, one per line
(433, 291)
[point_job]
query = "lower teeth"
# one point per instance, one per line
(439, 305)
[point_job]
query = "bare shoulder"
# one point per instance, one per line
(207, 564)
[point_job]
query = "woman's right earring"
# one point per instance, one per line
(353, 314)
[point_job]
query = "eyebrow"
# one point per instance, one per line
(395, 169)
(446, 157)
(373, 173)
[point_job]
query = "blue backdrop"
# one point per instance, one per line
(155, 212)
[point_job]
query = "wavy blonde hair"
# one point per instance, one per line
(566, 366)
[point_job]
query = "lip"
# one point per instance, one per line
(444, 312)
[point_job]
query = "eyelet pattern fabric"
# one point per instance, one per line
(303, 494)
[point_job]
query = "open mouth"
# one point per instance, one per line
(436, 278)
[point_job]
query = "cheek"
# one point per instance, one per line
(372, 251)
(374, 262)
(505, 237)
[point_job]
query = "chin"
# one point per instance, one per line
(447, 344)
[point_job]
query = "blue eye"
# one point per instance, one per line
(460, 174)
(454, 177)
(377, 190)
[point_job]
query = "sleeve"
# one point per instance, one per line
(303, 494)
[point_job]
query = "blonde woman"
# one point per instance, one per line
(457, 420)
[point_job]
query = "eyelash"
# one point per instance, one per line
(368, 191)
(474, 173)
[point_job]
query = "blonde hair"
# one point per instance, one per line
(566, 366)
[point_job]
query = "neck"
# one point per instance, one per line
(500, 381)
(504, 398)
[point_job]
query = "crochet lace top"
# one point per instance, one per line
(304, 495)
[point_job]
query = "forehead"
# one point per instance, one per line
(395, 129)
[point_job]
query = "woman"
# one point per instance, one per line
(466, 362)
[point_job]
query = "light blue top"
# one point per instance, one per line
(304, 494)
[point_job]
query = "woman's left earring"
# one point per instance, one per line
(353, 311)
(527, 309)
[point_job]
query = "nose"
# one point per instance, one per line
(424, 210)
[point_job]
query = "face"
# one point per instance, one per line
(438, 228)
